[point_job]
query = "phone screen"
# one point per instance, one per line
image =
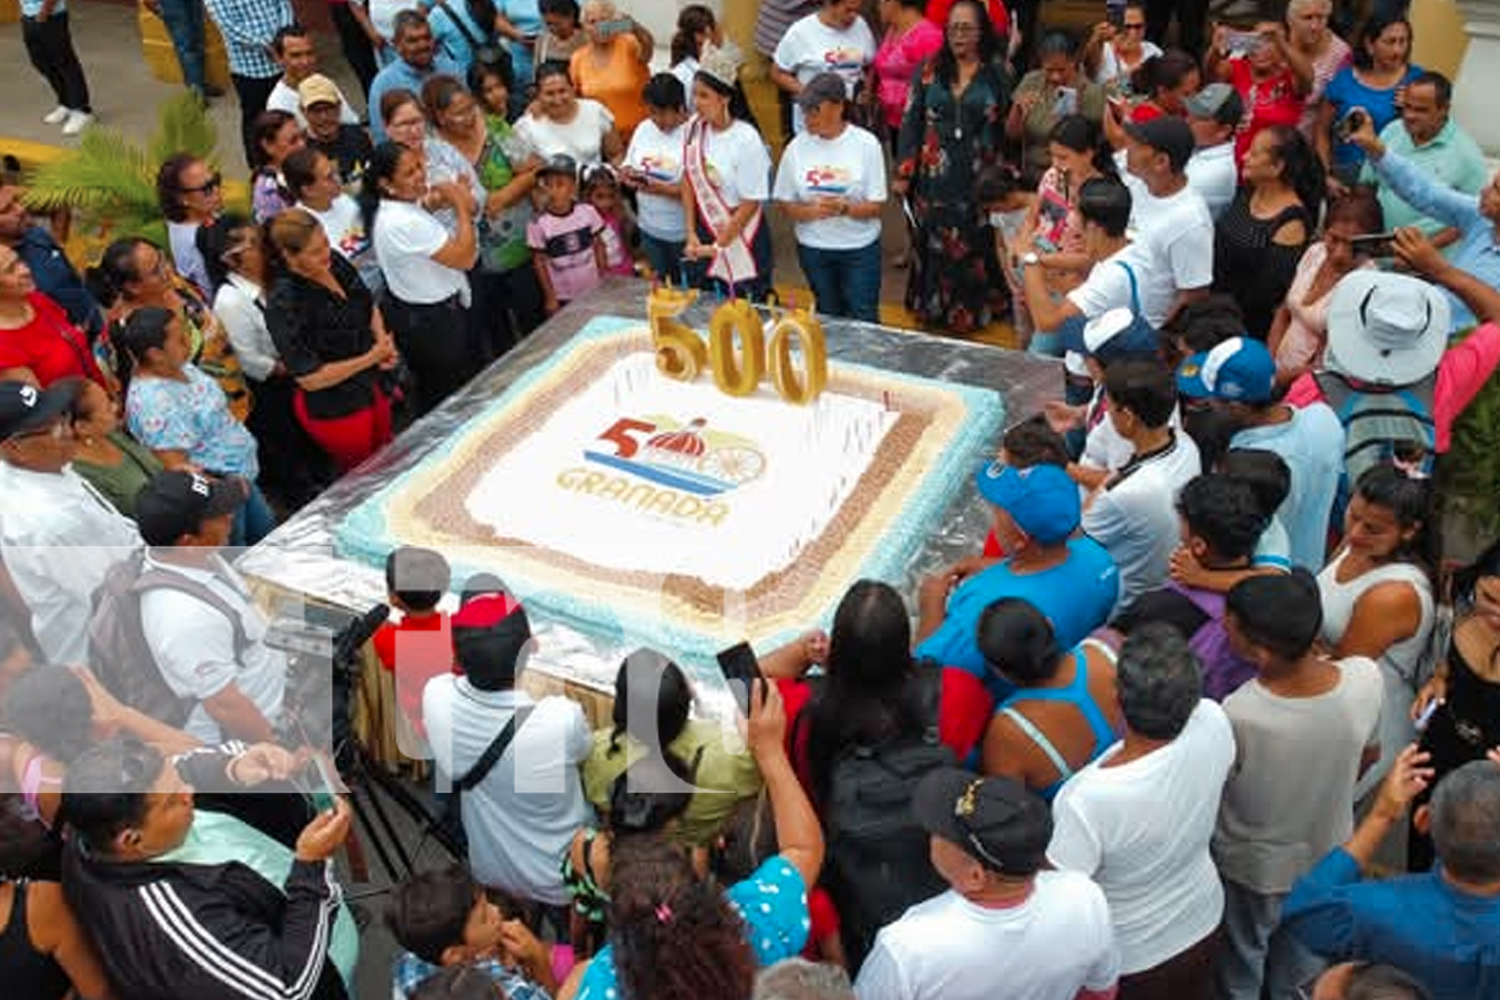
(741, 669)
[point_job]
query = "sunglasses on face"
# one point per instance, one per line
(212, 184)
(1137, 26)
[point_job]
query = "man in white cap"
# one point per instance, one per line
(58, 535)
(1387, 343)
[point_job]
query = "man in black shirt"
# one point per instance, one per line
(348, 146)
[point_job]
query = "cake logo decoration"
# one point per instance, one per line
(688, 457)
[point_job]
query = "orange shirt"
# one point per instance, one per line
(617, 83)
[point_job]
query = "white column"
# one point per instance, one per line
(1476, 90)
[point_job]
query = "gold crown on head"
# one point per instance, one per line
(723, 64)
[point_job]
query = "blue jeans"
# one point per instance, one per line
(253, 520)
(845, 282)
(665, 258)
(184, 21)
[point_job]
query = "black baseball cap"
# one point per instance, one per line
(1167, 134)
(559, 163)
(176, 502)
(995, 820)
(25, 408)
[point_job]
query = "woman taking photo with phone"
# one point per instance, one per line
(1382, 67)
(615, 64)
(1054, 90)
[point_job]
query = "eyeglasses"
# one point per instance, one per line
(963, 29)
(214, 182)
(1137, 26)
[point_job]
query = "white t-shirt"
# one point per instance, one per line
(1110, 69)
(582, 138)
(1141, 830)
(285, 98)
(1290, 797)
(522, 816)
(810, 47)
(738, 163)
(851, 166)
(1104, 448)
(194, 646)
(1056, 943)
(1108, 285)
(59, 538)
(1212, 173)
(406, 237)
(1177, 229)
(1135, 516)
(658, 155)
(344, 225)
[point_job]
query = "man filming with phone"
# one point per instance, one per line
(1476, 217)
(1427, 137)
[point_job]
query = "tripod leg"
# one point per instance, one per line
(390, 832)
(354, 848)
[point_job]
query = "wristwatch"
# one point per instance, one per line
(1030, 259)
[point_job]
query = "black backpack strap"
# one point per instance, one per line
(458, 23)
(492, 753)
(157, 579)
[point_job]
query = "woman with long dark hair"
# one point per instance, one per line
(726, 183)
(1263, 233)
(426, 269)
(1462, 700)
(953, 129)
(872, 694)
(1377, 594)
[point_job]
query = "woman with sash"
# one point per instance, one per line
(727, 180)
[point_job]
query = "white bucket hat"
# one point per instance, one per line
(1386, 329)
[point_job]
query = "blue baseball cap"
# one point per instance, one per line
(1240, 370)
(1113, 334)
(1042, 499)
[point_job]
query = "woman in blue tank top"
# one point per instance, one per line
(1064, 711)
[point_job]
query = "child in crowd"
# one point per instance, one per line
(567, 237)
(1005, 202)
(420, 646)
(444, 919)
(601, 189)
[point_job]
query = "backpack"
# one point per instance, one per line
(1199, 615)
(1382, 424)
(119, 655)
(877, 864)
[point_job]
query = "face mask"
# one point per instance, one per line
(997, 220)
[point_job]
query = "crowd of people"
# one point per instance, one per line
(1208, 713)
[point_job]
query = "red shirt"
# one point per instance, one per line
(425, 648)
(50, 346)
(964, 710)
(937, 13)
(1273, 101)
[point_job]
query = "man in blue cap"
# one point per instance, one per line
(1237, 377)
(1071, 580)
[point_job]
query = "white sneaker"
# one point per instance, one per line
(77, 121)
(57, 115)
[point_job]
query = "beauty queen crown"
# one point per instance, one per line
(723, 64)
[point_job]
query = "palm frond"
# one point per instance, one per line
(184, 126)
